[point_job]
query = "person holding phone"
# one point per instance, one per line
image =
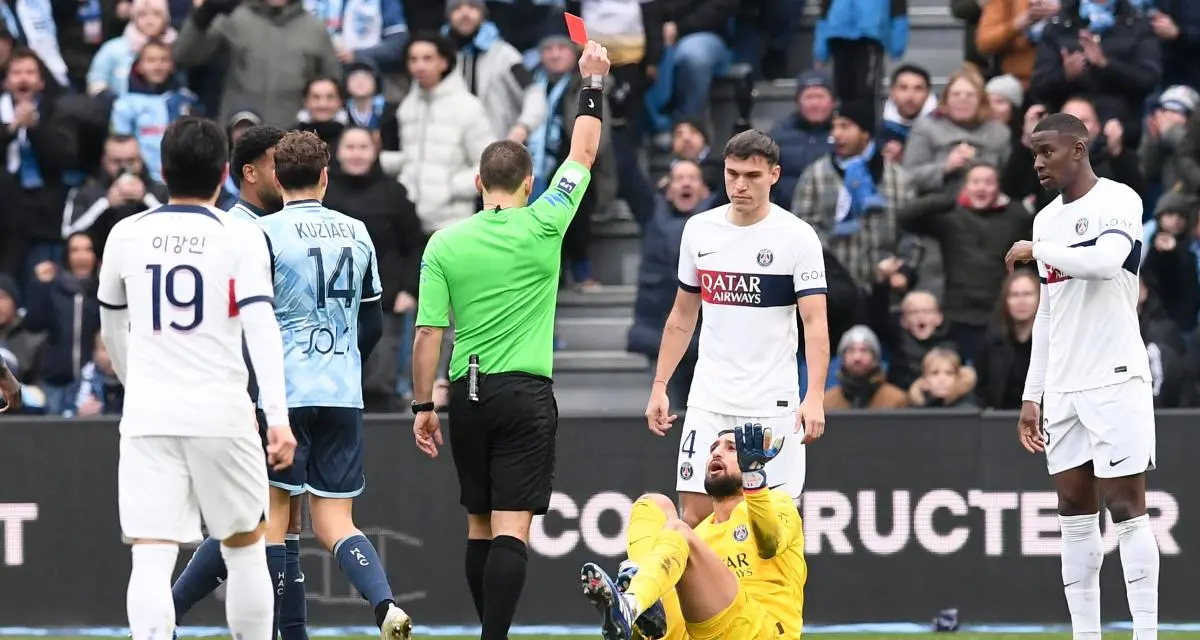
(1106, 51)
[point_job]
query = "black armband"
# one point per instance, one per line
(591, 103)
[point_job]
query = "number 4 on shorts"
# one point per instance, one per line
(689, 444)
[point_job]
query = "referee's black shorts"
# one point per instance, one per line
(503, 445)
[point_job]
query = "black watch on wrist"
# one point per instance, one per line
(421, 407)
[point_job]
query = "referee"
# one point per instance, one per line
(498, 273)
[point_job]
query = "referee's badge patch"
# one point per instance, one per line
(741, 533)
(685, 471)
(765, 258)
(1081, 226)
(568, 181)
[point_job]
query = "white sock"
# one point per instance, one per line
(148, 601)
(1082, 555)
(249, 597)
(1140, 560)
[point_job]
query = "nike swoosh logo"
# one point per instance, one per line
(1071, 583)
(1113, 464)
(591, 105)
(1136, 580)
(701, 254)
(776, 486)
(300, 580)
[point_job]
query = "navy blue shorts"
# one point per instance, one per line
(329, 453)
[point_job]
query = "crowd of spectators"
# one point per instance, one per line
(916, 190)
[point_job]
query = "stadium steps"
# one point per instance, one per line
(591, 329)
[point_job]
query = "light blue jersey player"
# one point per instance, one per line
(327, 302)
(325, 267)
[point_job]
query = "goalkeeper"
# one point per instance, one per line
(739, 575)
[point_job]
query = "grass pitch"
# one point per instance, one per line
(1108, 635)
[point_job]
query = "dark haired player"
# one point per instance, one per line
(327, 290)
(180, 287)
(253, 170)
(751, 265)
(1090, 374)
(499, 271)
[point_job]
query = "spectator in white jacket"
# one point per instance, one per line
(443, 131)
(494, 71)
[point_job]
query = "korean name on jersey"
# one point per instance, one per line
(749, 279)
(183, 271)
(1095, 338)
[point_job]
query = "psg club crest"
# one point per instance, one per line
(741, 533)
(685, 471)
(1081, 226)
(765, 258)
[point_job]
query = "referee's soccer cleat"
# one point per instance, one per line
(615, 609)
(651, 623)
(397, 625)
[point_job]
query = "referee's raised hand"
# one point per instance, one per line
(594, 60)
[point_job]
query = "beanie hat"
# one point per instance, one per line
(860, 334)
(814, 78)
(861, 113)
(1180, 98)
(555, 32)
(1008, 87)
(451, 5)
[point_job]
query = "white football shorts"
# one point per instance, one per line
(700, 430)
(167, 483)
(1112, 427)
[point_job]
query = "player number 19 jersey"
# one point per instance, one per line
(749, 279)
(183, 272)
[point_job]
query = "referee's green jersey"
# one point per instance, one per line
(498, 271)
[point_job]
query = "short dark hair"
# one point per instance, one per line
(752, 143)
(250, 147)
(24, 53)
(1063, 124)
(504, 165)
(120, 138)
(194, 154)
(300, 157)
(337, 86)
(914, 70)
(444, 47)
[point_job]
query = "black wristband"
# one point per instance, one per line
(591, 103)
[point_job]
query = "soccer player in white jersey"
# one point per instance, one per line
(252, 168)
(179, 287)
(1090, 374)
(750, 265)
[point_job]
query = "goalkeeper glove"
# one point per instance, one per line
(756, 447)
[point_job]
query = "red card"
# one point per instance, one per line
(576, 29)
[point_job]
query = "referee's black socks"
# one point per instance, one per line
(503, 580)
(476, 561)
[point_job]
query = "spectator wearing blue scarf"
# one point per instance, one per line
(852, 196)
(366, 107)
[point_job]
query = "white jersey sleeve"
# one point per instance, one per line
(255, 280)
(809, 274)
(688, 278)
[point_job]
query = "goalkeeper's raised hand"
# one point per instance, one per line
(756, 447)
